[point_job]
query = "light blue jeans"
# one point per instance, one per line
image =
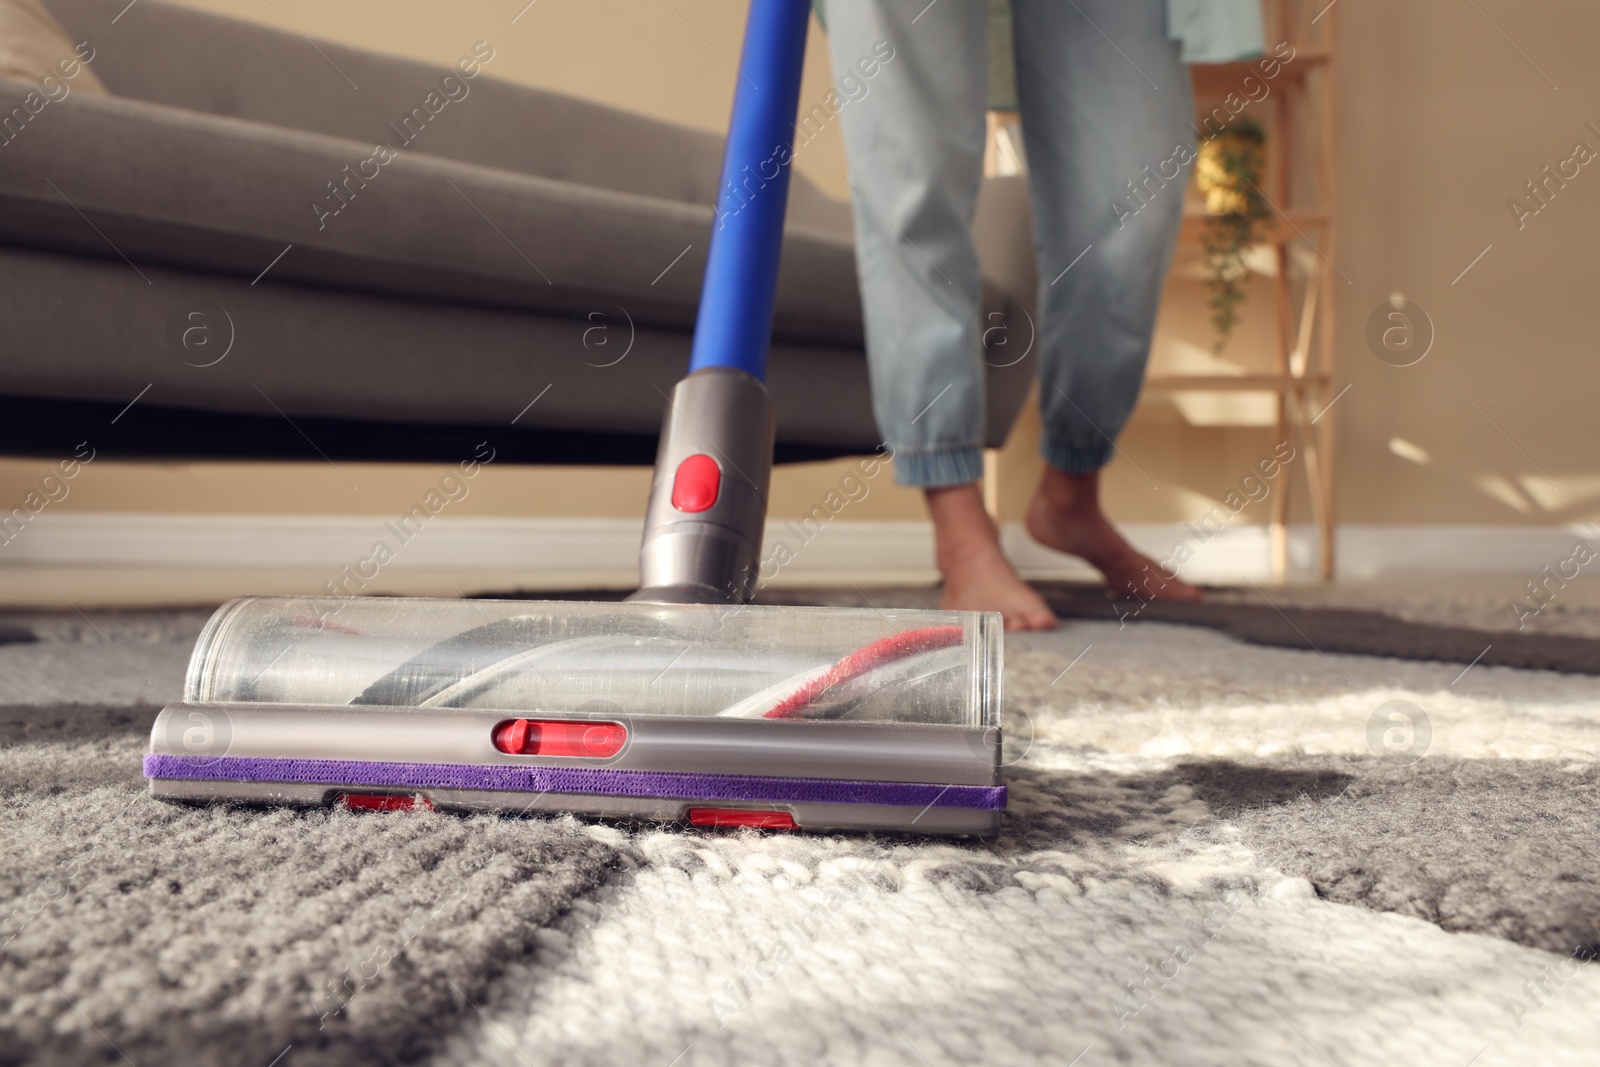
(1106, 116)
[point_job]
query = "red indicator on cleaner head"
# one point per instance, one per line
(694, 487)
(555, 737)
(383, 802)
(761, 820)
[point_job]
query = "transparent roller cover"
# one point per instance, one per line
(814, 717)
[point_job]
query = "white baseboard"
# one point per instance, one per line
(559, 552)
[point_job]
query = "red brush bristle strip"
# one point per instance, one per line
(862, 660)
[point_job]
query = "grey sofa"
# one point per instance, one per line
(513, 250)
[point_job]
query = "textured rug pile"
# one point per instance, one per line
(1310, 830)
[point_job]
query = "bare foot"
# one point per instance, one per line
(977, 576)
(1065, 515)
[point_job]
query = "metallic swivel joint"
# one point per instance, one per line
(708, 503)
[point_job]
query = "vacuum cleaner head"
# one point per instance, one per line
(808, 718)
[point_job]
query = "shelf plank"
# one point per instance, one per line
(1234, 383)
(1214, 81)
(1277, 229)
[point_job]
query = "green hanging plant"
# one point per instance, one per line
(1229, 170)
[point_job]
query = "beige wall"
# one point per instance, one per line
(1441, 121)
(1445, 120)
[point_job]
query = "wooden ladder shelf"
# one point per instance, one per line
(1297, 111)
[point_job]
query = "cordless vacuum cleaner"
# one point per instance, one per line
(683, 704)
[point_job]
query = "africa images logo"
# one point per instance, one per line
(199, 731)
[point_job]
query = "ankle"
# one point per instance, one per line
(966, 554)
(963, 532)
(965, 542)
(1075, 494)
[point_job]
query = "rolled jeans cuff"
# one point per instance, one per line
(940, 468)
(1072, 459)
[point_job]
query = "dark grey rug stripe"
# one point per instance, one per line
(1509, 848)
(1330, 630)
(170, 934)
(1327, 630)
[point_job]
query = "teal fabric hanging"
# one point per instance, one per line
(1217, 31)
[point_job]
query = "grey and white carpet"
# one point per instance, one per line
(1222, 847)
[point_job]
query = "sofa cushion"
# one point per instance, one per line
(94, 330)
(167, 54)
(114, 177)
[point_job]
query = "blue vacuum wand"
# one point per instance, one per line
(708, 502)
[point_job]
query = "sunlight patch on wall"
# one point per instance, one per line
(1501, 489)
(1410, 450)
(1562, 492)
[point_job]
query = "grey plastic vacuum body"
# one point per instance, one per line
(889, 763)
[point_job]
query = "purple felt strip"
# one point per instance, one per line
(589, 780)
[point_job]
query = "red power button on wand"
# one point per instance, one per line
(694, 487)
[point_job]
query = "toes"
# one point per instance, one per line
(1022, 621)
(1029, 612)
(1038, 613)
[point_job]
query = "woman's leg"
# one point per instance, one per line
(1106, 119)
(915, 142)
